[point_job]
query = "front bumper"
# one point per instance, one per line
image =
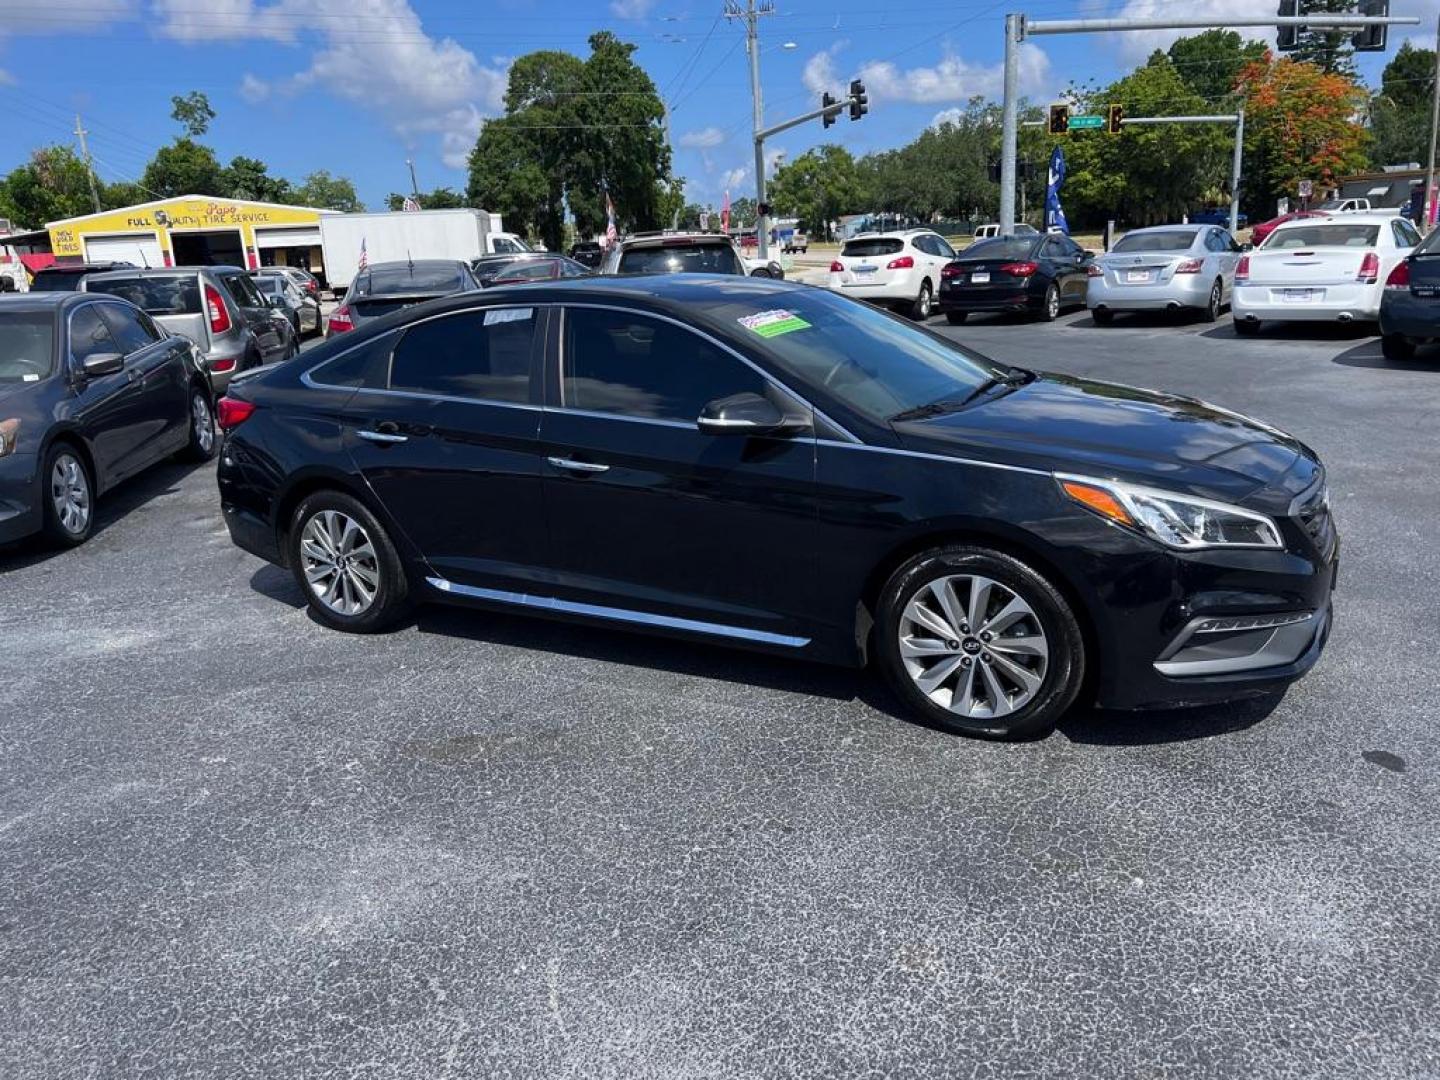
(1184, 290)
(20, 494)
(1346, 302)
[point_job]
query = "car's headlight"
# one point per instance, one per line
(1177, 521)
(9, 432)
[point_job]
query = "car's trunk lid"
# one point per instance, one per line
(1307, 266)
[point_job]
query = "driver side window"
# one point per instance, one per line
(89, 336)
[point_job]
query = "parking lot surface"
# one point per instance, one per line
(238, 844)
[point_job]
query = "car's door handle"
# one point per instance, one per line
(384, 437)
(570, 465)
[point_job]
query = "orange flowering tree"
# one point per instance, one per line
(1301, 123)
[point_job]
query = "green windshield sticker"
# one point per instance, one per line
(774, 323)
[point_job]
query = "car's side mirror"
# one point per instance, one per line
(746, 414)
(97, 365)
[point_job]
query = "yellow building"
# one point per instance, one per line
(192, 230)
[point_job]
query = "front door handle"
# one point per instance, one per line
(383, 437)
(570, 465)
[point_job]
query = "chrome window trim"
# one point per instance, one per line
(70, 362)
(937, 457)
(601, 611)
(722, 346)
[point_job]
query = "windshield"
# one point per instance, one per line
(692, 258)
(880, 246)
(405, 279)
(1170, 240)
(175, 294)
(27, 341)
(876, 364)
(1330, 234)
(1006, 247)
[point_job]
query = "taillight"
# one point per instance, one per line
(1369, 269)
(837, 267)
(904, 262)
(231, 412)
(1399, 277)
(222, 366)
(219, 317)
(1094, 270)
(1019, 269)
(1242, 268)
(952, 270)
(1190, 266)
(339, 321)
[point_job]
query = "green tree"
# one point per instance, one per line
(818, 186)
(1400, 112)
(123, 193)
(1209, 63)
(442, 198)
(185, 167)
(327, 192)
(192, 112)
(1329, 50)
(507, 178)
(249, 178)
(52, 185)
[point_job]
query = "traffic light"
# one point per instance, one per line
(763, 209)
(859, 103)
(1371, 38)
(1059, 119)
(825, 103)
(1288, 37)
(1114, 118)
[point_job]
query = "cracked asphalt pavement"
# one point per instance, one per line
(236, 844)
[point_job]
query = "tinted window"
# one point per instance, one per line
(475, 354)
(925, 244)
(691, 258)
(57, 281)
(173, 294)
(362, 365)
(1328, 235)
(242, 290)
(881, 245)
(125, 328)
(1052, 249)
(1169, 240)
(942, 247)
(538, 270)
(446, 278)
(1405, 233)
(1007, 247)
(26, 345)
(617, 362)
(88, 335)
(270, 286)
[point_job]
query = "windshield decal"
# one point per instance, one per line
(770, 324)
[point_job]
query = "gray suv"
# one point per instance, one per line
(216, 307)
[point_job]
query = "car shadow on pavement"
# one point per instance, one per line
(1368, 355)
(1143, 320)
(110, 508)
(1294, 331)
(1153, 727)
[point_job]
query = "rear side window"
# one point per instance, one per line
(884, 245)
(1170, 240)
(364, 365)
(174, 294)
(126, 328)
(242, 290)
(473, 354)
(1406, 235)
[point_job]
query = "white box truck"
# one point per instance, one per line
(416, 234)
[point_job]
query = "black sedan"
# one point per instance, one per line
(1410, 304)
(1042, 274)
(388, 287)
(532, 266)
(92, 391)
(749, 462)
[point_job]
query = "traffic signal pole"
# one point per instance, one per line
(1018, 28)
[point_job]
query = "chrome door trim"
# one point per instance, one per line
(601, 611)
(382, 437)
(570, 465)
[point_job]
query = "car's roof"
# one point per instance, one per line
(1368, 217)
(416, 264)
(661, 239)
(79, 268)
(41, 301)
(161, 271)
(1174, 228)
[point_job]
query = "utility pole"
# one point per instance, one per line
(751, 14)
(1235, 166)
(1430, 195)
(414, 187)
(90, 168)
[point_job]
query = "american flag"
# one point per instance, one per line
(610, 234)
(411, 204)
(364, 258)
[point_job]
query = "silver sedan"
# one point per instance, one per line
(1167, 268)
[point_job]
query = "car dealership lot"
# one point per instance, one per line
(239, 844)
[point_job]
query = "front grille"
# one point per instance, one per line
(1312, 511)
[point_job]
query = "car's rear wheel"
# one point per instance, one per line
(1211, 311)
(1102, 316)
(1247, 327)
(69, 497)
(978, 643)
(202, 427)
(956, 318)
(920, 310)
(1051, 310)
(346, 565)
(1397, 347)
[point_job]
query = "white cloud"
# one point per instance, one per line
(954, 79)
(1137, 45)
(947, 116)
(254, 90)
(60, 16)
(233, 19)
(631, 9)
(6, 79)
(704, 139)
(819, 74)
(732, 179)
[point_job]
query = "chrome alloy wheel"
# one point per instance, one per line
(1052, 302)
(70, 493)
(202, 423)
(973, 646)
(340, 563)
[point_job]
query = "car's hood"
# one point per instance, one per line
(1063, 424)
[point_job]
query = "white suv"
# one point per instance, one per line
(897, 269)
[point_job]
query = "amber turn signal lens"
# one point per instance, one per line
(1099, 500)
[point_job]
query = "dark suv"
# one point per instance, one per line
(683, 252)
(60, 278)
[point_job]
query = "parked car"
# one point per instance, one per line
(683, 252)
(818, 479)
(216, 307)
(67, 278)
(1042, 274)
(1217, 215)
(392, 286)
(899, 269)
(1265, 228)
(1410, 303)
(302, 311)
(1329, 270)
(587, 253)
(535, 266)
(306, 282)
(794, 241)
(989, 232)
(92, 391)
(1167, 268)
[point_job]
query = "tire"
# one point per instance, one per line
(1211, 311)
(338, 599)
(924, 303)
(1102, 316)
(67, 497)
(956, 318)
(204, 440)
(1397, 347)
(1000, 705)
(1051, 311)
(1247, 327)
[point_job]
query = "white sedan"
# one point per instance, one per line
(1330, 270)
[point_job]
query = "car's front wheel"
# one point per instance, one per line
(346, 565)
(1397, 347)
(977, 642)
(69, 509)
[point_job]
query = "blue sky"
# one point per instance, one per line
(357, 86)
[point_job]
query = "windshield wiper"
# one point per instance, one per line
(1013, 377)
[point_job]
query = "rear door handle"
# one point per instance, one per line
(570, 465)
(384, 437)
